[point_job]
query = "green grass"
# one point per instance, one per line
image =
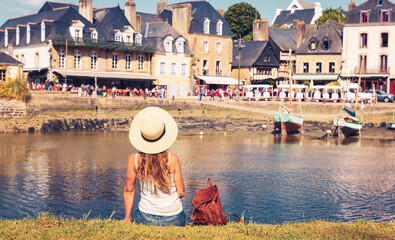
(47, 226)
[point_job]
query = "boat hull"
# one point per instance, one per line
(348, 128)
(287, 122)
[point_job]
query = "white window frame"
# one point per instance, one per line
(205, 47)
(62, 59)
(128, 60)
(118, 37)
(140, 59)
(94, 35)
(139, 39)
(168, 43)
(180, 45)
(218, 48)
(28, 31)
(114, 61)
(77, 59)
(206, 26)
(184, 69)
(173, 71)
(6, 38)
(93, 60)
(162, 69)
(18, 35)
(219, 27)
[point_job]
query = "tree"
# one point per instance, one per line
(240, 17)
(336, 15)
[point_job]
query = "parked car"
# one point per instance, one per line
(382, 96)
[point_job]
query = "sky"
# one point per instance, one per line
(267, 8)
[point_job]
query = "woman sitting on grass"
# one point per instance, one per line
(152, 132)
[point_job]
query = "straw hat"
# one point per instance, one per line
(153, 130)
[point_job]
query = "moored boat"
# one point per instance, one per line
(349, 126)
(288, 122)
(391, 126)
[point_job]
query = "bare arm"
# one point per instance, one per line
(128, 192)
(178, 176)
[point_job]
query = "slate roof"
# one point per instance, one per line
(287, 17)
(8, 60)
(147, 18)
(330, 30)
(156, 33)
(199, 12)
(51, 5)
(285, 38)
(249, 54)
(374, 11)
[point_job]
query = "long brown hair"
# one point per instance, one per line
(154, 168)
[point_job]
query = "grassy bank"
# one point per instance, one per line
(50, 227)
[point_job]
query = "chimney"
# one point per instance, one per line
(295, 23)
(160, 6)
(260, 30)
(221, 12)
(182, 18)
(130, 13)
(86, 9)
(301, 32)
(351, 6)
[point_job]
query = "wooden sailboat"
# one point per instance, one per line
(284, 119)
(350, 125)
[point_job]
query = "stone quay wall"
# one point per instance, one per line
(12, 108)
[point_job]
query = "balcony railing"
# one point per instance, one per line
(372, 70)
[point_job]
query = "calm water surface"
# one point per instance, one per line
(269, 178)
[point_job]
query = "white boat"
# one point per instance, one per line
(349, 126)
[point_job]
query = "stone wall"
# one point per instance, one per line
(12, 108)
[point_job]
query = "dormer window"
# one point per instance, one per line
(379, 2)
(180, 45)
(139, 38)
(118, 37)
(364, 17)
(168, 42)
(77, 34)
(17, 35)
(326, 44)
(313, 44)
(219, 27)
(76, 29)
(385, 16)
(94, 35)
(28, 34)
(206, 26)
(42, 31)
(6, 38)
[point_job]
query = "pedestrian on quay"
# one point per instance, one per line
(158, 171)
(212, 95)
(200, 94)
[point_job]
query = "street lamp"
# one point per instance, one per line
(239, 44)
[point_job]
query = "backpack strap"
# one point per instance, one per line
(241, 221)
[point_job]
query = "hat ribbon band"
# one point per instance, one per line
(155, 140)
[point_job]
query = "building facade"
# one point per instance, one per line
(9, 67)
(369, 45)
(80, 44)
(319, 58)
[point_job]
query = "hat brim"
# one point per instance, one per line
(161, 145)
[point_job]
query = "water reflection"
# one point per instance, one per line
(271, 178)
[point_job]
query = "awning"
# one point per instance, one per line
(318, 77)
(218, 80)
(365, 75)
(111, 75)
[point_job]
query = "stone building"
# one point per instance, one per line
(319, 57)
(368, 48)
(79, 43)
(297, 10)
(9, 67)
(209, 36)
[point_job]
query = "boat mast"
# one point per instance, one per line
(359, 81)
(290, 81)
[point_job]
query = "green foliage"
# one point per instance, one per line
(334, 83)
(14, 88)
(275, 26)
(336, 15)
(240, 17)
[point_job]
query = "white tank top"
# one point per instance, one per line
(162, 204)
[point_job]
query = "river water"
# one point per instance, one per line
(267, 178)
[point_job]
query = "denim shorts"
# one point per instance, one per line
(150, 219)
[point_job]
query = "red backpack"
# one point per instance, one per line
(207, 207)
